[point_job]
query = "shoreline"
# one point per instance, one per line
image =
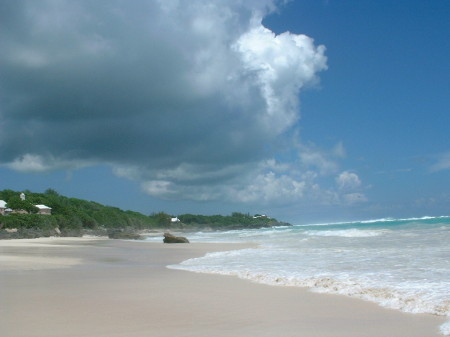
(99, 287)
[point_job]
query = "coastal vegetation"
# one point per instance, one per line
(236, 220)
(74, 217)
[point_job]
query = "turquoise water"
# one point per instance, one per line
(401, 264)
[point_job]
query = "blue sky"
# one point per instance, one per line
(211, 107)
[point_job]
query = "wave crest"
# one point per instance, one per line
(348, 233)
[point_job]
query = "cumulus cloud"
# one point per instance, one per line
(348, 186)
(348, 181)
(184, 96)
(282, 65)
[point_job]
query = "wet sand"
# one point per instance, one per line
(100, 287)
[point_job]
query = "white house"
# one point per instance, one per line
(174, 219)
(2, 207)
(44, 209)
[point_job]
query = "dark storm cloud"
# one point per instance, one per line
(175, 94)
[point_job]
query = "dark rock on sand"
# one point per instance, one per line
(169, 238)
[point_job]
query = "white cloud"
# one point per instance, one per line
(268, 187)
(161, 188)
(29, 163)
(348, 181)
(442, 163)
(281, 65)
(38, 164)
(269, 183)
(348, 184)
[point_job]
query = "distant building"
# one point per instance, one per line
(174, 219)
(42, 209)
(2, 207)
(22, 196)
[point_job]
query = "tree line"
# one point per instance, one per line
(68, 214)
(72, 214)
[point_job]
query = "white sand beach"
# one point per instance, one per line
(91, 287)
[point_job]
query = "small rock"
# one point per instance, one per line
(170, 238)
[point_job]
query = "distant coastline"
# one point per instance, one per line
(72, 217)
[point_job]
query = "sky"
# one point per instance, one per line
(304, 110)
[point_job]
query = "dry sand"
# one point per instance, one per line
(100, 287)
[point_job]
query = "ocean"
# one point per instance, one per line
(401, 264)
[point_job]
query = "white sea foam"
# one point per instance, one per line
(412, 297)
(349, 222)
(415, 296)
(348, 233)
(445, 328)
(380, 220)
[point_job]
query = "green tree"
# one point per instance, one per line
(162, 218)
(16, 203)
(52, 192)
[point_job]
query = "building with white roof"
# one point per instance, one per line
(44, 209)
(2, 207)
